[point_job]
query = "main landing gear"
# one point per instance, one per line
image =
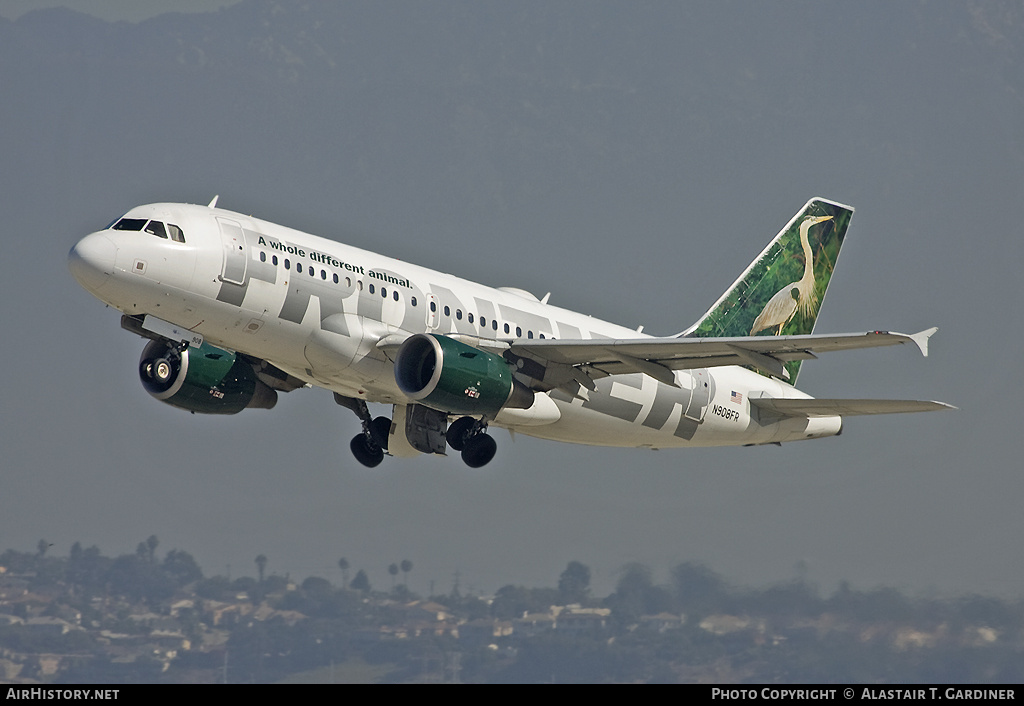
(466, 435)
(369, 445)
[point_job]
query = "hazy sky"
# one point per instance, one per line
(113, 10)
(630, 158)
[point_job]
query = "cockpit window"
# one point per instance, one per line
(156, 228)
(130, 224)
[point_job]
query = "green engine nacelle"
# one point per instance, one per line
(205, 379)
(452, 377)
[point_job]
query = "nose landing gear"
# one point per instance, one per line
(159, 369)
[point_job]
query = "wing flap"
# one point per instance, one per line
(683, 353)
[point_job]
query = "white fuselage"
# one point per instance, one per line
(317, 309)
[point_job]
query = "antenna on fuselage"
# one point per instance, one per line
(213, 204)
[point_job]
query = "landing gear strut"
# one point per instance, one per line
(369, 445)
(468, 435)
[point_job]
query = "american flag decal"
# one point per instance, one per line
(736, 397)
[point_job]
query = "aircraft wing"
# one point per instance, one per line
(844, 408)
(658, 357)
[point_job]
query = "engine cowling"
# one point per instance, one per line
(207, 379)
(452, 377)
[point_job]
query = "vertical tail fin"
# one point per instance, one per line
(781, 292)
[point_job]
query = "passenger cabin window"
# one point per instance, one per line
(156, 228)
(263, 257)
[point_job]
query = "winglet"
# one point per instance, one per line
(921, 339)
(213, 204)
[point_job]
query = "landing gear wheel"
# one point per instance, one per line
(379, 430)
(479, 450)
(162, 370)
(366, 452)
(459, 432)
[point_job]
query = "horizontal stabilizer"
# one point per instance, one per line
(845, 408)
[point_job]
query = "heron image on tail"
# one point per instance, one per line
(798, 295)
(781, 292)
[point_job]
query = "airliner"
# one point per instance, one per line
(237, 310)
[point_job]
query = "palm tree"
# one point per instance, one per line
(393, 570)
(343, 565)
(261, 564)
(406, 568)
(151, 545)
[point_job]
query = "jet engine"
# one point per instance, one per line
(452, 377)
(205, 379)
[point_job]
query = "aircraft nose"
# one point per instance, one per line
(91, 260)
